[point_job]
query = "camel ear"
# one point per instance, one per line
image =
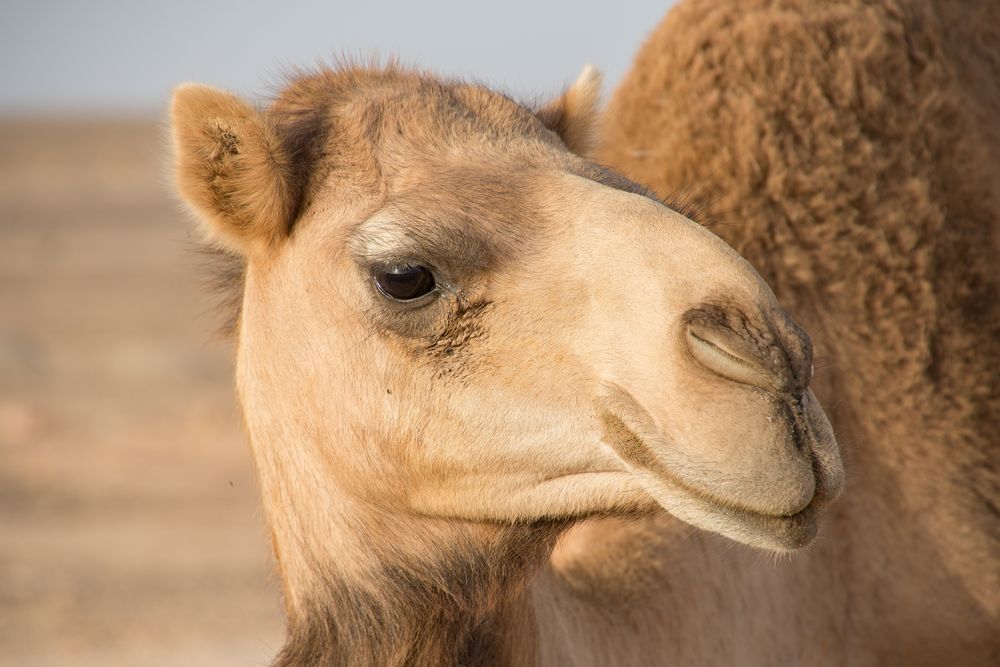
(232, 168)
(574, 116)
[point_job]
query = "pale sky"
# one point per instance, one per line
(113, 55)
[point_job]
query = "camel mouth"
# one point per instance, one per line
(692, 503)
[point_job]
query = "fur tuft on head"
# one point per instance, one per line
(575, 114)
(232, 169)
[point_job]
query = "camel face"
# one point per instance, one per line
(448, 313)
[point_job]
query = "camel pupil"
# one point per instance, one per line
(404, 283)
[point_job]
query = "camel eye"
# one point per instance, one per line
(404, 283)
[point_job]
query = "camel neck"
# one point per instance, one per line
(405, 590)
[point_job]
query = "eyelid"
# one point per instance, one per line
(383, 240)
(409, 261)
(380, 238)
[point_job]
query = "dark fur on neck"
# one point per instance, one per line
(452, 606)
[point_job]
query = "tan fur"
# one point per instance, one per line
(590, 353)
(850, 151)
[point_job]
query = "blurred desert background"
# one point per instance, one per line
(130, 531)
(129, 525)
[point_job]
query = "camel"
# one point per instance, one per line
(861, 177)
(457, 340)
(491, 386)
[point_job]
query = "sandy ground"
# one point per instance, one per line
(129, 527)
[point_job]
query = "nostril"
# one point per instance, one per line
(726, 342)
(798, 350)
(725, 354)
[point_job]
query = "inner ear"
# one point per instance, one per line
(233, 169)
(575, 115)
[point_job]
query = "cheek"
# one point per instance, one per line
(459, 349)
(513, 361)
(373, 408)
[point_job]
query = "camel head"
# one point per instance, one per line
(447, 311)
